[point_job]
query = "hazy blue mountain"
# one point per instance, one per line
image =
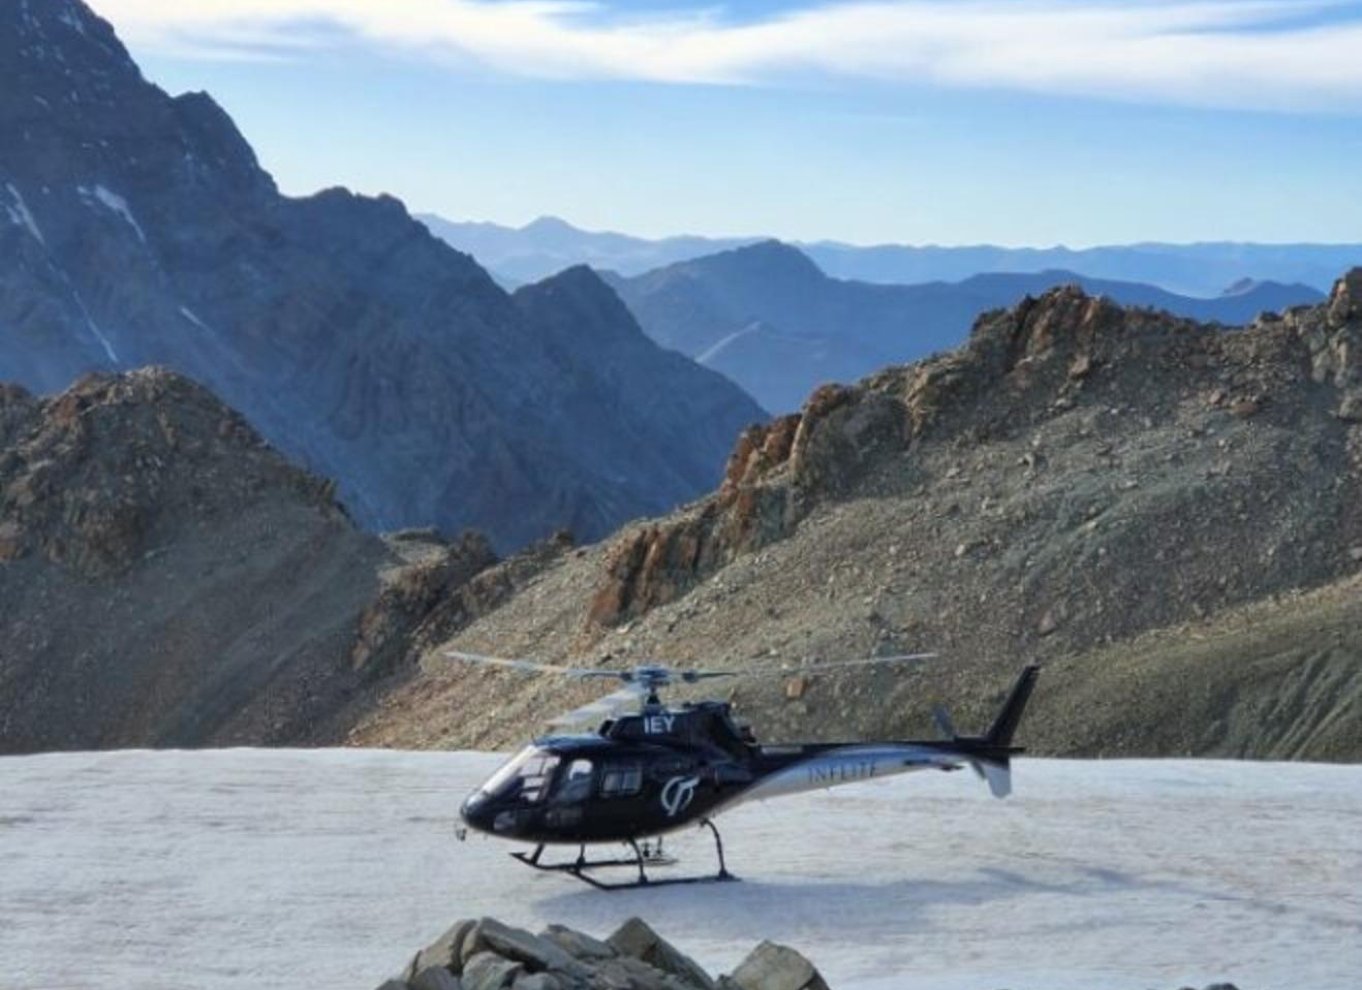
(767, 317)
(137, 228)
(1187, 269)
(548, 244)
(516, 255)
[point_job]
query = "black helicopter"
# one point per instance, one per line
(644, 774)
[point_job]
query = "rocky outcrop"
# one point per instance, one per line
(443, 588)
(1021, 367)
(139, 229)
(438, 574)
(1333, 335)
(167, 577)
(485, 954)
(92, 478)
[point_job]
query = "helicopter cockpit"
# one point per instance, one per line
(526, 776)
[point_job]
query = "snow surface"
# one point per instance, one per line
(261, 869)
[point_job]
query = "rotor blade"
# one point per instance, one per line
(598, 710)
(627, 676)
(943, 722)
(836, 664)
(692, 676)
(531, 667)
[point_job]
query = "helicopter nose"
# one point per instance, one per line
(475, 812)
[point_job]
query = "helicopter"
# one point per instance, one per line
(645, 773)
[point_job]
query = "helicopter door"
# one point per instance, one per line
(570, 793)
(574, 783)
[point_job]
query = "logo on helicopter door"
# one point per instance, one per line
(677, 794)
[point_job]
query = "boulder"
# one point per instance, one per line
(537, 981)
(488, 971)
(446, 952)
(634, 938)
(577, 944)
(777, 967)
(535, 953)
(436, 978)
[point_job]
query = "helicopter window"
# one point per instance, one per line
(622, 780)
(526, 776)
(575, 783)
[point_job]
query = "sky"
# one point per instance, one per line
(1019, 122)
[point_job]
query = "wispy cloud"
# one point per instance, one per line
(1268, 54)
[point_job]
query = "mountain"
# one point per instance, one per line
(167, 578)
(137, 228)
(550, 244)
(516, 255)
(170, 580)
(1167, 515)
(766, 316)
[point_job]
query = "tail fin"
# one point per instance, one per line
(992, 759)
(1005, 725)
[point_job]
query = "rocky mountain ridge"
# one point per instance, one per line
(767, 317)
(139, 228)
(1121, 493)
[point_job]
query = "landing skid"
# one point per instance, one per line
(645, 855)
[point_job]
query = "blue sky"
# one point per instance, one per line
(926, 121)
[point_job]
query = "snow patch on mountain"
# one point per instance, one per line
(110, 199)
(20, 215)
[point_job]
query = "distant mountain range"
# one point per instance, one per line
(766, 316)
(549, 244)
(137, 229)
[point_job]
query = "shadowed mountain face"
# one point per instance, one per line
(769, 319)
(137, 228)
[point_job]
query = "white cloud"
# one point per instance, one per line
(1233, 53)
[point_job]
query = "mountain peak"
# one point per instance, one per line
(769, 260)
(549, 225)
(45, 38)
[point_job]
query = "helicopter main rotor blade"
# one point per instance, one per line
(838, 664)
(693, 676)
(532, 667)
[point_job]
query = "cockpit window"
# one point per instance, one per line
(526, 776)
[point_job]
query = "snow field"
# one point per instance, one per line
(261, 869)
